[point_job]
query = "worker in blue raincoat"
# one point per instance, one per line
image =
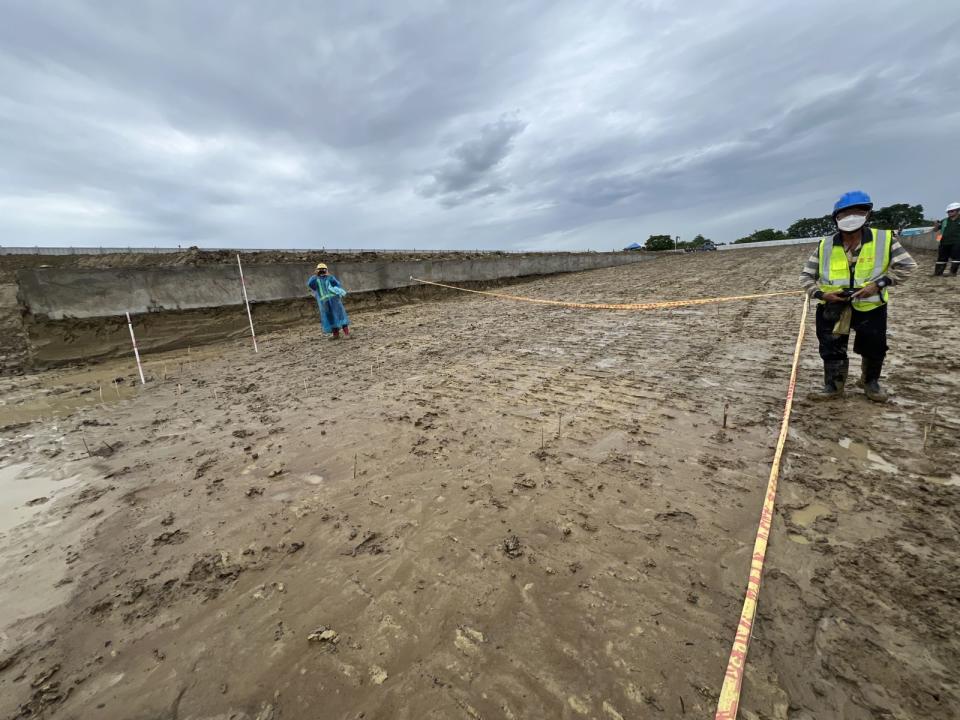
(328, 291)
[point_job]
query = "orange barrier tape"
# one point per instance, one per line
(729, 701)
(613, 306)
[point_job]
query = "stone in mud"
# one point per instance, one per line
(37, 501)
(324, 635)
(511, 547)
(254, 491)
(167, 520)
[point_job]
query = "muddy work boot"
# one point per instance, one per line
(834, 378)
(870, 381)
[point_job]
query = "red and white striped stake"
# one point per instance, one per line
(136, 352)
(247, 302)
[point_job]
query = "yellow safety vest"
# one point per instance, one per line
(872, 264)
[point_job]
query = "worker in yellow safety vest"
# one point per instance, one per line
(850, 274)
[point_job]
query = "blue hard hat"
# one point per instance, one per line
(854, 198)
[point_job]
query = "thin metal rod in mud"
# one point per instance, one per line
(559, 420)
(86, 447)
(355, 466)
(726, 409)
(247, 303)
(136, 352)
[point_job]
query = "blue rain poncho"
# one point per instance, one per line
(328, 291)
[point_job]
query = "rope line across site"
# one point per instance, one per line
(614, 306)
(728, 703)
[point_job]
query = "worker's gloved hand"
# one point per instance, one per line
(338, 291)
(835, 297)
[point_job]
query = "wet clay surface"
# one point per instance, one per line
(481, 509)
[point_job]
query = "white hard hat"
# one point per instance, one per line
(953, 206)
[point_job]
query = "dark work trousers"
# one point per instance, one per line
(947, 253)
(871, 341)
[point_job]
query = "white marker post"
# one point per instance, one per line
(136, 352)
(247, 302)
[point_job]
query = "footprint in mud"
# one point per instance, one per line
(677, 516)
(170, 538)
(808, 514)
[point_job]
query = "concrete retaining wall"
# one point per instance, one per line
(926, 241)
(769, 243)
(64, 293)
(70, 314)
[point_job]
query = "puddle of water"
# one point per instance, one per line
(63, 391)
(862, 452)
(18, 487)
(60, 405)
(798, 539)
(806, 516)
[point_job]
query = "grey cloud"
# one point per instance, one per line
(466, 174)
(370, 124)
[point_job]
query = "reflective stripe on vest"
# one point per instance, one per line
(872, 264)
(323, 291)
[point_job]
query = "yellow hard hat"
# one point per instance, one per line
(321, 266)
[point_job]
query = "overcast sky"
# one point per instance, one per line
(535, 125)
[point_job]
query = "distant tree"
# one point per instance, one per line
(897, 217)
(812, 227)
(659, 242)
(764, 235)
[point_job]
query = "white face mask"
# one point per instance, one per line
(851, 223)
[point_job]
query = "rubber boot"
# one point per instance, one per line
(834, 378)
(346, 332)
(954, 268)
(336, 334)
(871, 381)
(939, 267)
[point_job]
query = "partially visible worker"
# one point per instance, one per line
(328, 291)
(949, 249)
(850, 274)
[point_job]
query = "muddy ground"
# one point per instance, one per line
(482, 509)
